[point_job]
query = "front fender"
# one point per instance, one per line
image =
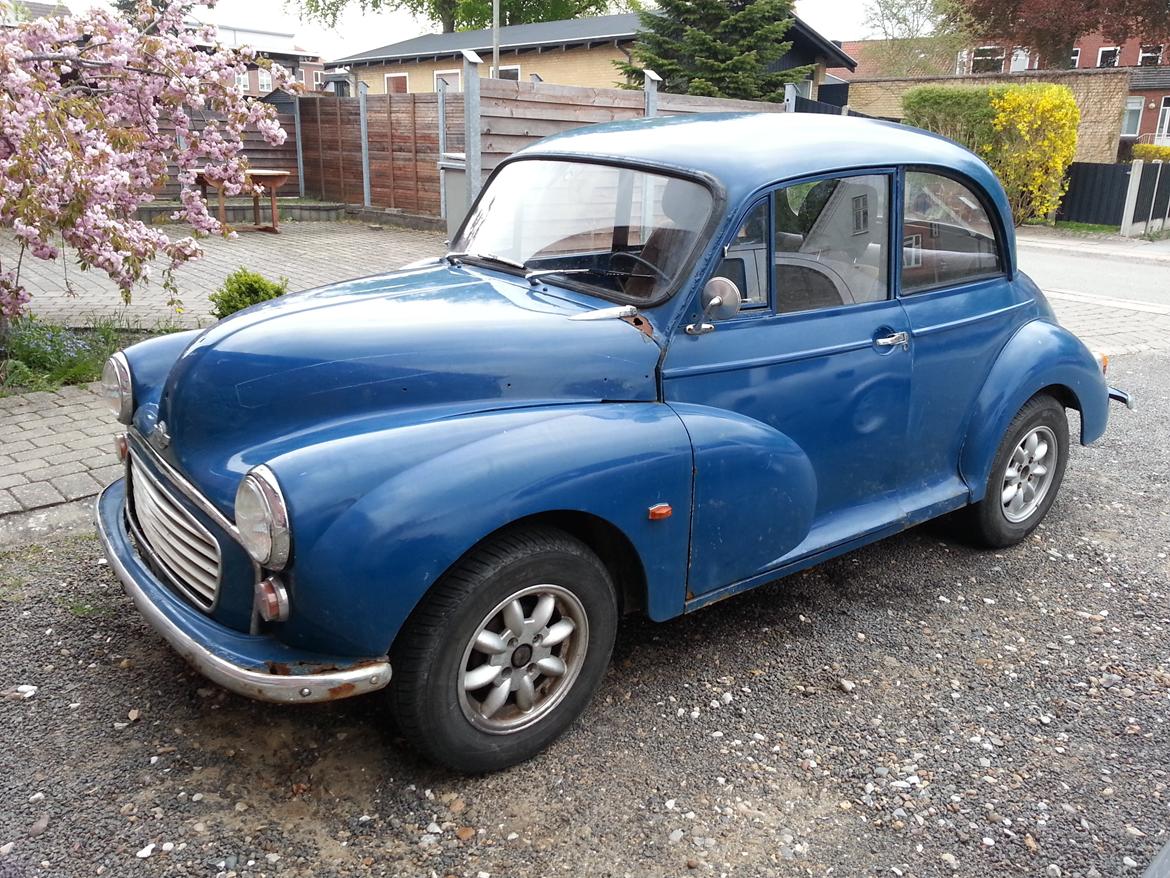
(151, 361)
(377, 518)
(1041, 354)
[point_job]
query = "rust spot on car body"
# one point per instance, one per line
(343, 691)
(641, 324)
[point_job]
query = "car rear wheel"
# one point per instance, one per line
(504, 653)
(1025, 476)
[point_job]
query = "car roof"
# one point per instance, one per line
(748, 151)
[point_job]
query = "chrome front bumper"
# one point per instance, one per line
(253, 665)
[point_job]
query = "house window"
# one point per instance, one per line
(1162, 132)
(318, 77)
(1132, 123)
(508, 71)
(860, 214)
(301, 75)
(988, 59)
(1020, 60)
(1075, 60)
(264, 80)
(451, 77)
(242, 84)
(1107, 56)
(397, 83)
(1150, 56)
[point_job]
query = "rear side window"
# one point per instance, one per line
(947, 236)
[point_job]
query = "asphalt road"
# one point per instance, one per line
(917, 708)
(1097, 274)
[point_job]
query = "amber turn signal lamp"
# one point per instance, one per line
(271, 600)
(121, 447)
(660, 511)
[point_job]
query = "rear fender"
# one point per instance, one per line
(378, 518)
(1040, 355)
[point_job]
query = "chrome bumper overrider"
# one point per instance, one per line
(1122, 397)
(252, 665)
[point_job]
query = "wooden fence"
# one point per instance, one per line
(403, 142)
(260, 154)
(513, 115)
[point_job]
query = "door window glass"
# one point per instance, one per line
(830, 246)
(746, 262)
(947, 236)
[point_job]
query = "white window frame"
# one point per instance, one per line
(515, 67)
(1076, 57)
(1162, 131)
(405, 76)
(1003, 56)
(261, 76)
(301, 75)
(1143, 55)
(1116, 58)
(244, 82)
(458, 73)
(1133, 103)
(318, 78)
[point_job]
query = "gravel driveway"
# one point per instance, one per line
(914, 709)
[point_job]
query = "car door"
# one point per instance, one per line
(798, 405)
(962, 309)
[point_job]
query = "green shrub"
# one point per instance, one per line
(242, 289)
(1026, 133)
(1149, 152)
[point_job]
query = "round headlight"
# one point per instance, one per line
(117, 389)
(262, 518)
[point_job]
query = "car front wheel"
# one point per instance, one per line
(1026, 475)
(505, 651)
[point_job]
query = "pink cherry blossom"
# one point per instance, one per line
(94, 109)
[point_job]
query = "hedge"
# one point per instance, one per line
(1150, 153)
(1026, 133)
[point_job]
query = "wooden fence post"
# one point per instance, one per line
(650, 81)
(363, 87)
(471, 124)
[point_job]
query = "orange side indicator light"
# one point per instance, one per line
(660, 511)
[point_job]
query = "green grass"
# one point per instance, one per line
(1085, 228)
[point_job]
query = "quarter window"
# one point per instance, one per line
(746, 263)
(947, 236)
(830, 243)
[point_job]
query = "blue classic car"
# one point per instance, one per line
(664, 361)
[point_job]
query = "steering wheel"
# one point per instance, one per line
(662, 275)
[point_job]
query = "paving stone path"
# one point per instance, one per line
(58, 447)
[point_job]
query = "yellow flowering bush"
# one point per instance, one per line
(1151, 153)
(1026, 133)
(1036, 126)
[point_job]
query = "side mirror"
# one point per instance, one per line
(721, 300)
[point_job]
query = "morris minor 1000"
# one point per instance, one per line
(663, 362)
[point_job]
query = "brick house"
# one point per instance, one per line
(306, 66)
(579, 51)
(1146, 117)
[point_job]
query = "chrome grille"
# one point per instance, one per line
(180, 545)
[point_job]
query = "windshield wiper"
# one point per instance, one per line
(492, 257)
(533, 276)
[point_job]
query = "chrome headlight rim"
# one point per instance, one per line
(122, 383)
(262, 481)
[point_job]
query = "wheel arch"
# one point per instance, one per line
(1041, 358)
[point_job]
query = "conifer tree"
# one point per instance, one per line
(718, 48)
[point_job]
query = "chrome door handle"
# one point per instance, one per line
(898, 338)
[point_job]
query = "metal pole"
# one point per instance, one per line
(362, 89)
(471, 123)
(300, 153)
(442, 84)
(650, 81)
(495, 39)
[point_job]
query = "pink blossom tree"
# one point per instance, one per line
(93, 109)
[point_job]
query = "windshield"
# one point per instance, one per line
(623, 233)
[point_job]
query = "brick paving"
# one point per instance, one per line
(57, 447)
(308, 254)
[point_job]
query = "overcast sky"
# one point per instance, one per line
(357, 31)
